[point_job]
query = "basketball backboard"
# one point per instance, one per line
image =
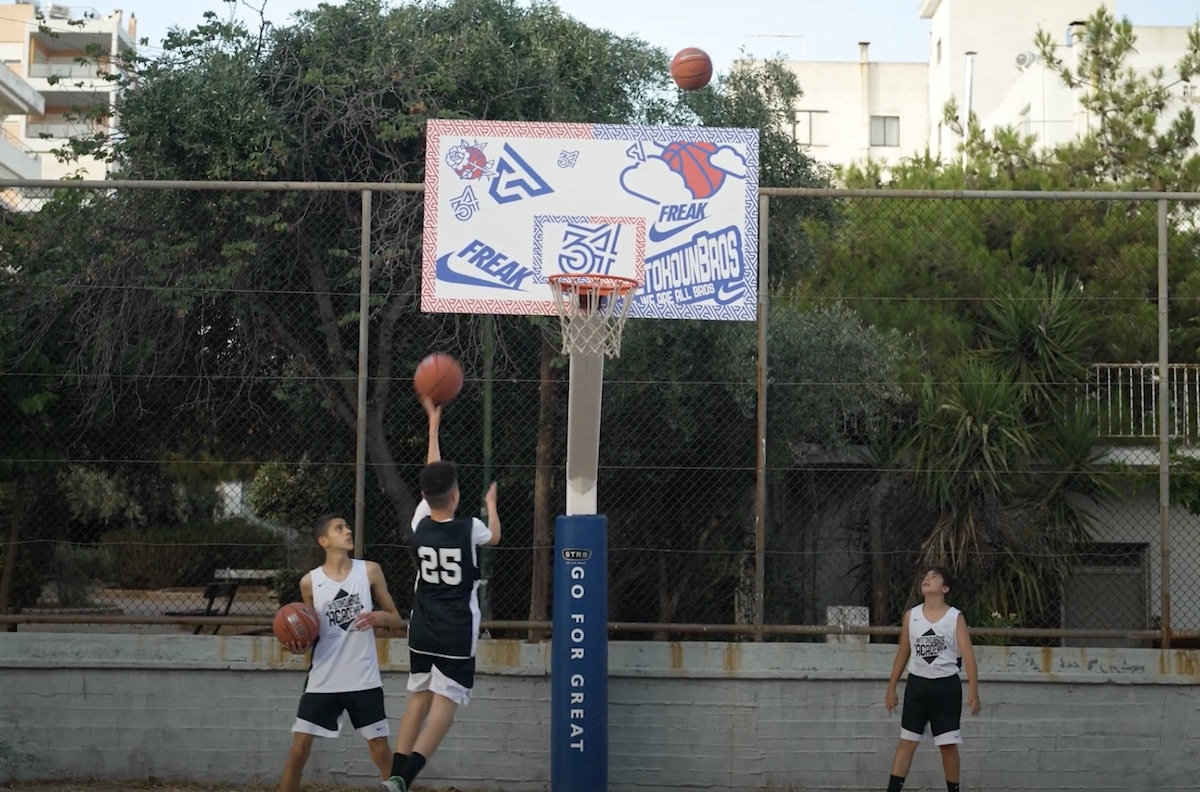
(508, 205)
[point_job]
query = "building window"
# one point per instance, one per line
(939, 51)
(804, 124)
(1189, 91)
(885, 130)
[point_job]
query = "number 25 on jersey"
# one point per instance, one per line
(441, 565)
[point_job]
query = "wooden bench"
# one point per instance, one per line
(226, 583)
(212, 592)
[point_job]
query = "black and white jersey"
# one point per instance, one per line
(343, 658)
(445, 614)
(934, 644)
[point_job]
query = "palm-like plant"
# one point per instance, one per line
(1006, 461)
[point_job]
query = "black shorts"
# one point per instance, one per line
(936, 703)
(461, 670)
(320, 714)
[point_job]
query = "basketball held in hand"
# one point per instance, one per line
(691, 68)
(438, 377)
(296, 626)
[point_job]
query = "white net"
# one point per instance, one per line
(593, 310)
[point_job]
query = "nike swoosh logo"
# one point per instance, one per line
(444, 273)
(726, 295)
(657, 235)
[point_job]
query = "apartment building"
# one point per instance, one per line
(981, 54)
(43, 44)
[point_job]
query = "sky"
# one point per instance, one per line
(797, 29)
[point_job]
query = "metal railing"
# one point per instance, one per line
(1124, 399)
(69, 69)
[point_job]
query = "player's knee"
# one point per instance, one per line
(301, 748)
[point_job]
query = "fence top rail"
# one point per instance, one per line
(414, 187)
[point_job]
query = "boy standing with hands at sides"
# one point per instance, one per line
(444, 628)
(343, 674)
(934, 643)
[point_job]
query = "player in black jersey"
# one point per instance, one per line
(444, 627)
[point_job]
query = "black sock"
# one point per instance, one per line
(895, 783)
(951, 786)
(398, 760)
(412, 767)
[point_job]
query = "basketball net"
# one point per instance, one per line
(592, 310)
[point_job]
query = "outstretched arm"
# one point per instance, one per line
(434, 411)
(493, 515)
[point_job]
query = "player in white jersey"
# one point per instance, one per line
(351, 599)
(445, 617)
(935, 644)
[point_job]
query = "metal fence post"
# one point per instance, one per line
(364, 313)
(1164, 431)
(760, 489)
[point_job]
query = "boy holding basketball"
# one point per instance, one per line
(445, 618)
(343, 675)
(935, 643)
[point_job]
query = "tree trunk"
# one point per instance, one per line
(879, 567)
(10, 555)
(383, 465)
(543, 534)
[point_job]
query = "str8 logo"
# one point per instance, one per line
(489, 268)
(709, 268)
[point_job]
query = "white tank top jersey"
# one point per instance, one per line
(343, 659)
(934, 645)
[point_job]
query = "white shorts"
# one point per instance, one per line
(947, 738)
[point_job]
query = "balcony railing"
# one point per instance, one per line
(17, 143)
(61, 129)
(69, 70)
(1124, 399)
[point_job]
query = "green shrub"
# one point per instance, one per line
(76, 568)
(187, 556)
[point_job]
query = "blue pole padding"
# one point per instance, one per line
(579, 656)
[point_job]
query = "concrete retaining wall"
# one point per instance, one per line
(682, 716)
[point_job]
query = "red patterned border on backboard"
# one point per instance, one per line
(438, 128)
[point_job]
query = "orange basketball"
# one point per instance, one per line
(691, 68)
(296, 622)
(439, 376)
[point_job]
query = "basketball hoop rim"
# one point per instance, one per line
(591, 283)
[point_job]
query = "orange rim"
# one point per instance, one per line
(602, 285)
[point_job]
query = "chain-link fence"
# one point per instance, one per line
(968, 381)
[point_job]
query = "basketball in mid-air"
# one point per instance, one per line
(691, 68)
(296, 622)
(439, 376)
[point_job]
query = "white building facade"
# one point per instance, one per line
(42, 44)
(852, 110)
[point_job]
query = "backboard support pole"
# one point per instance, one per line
(583, 431)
